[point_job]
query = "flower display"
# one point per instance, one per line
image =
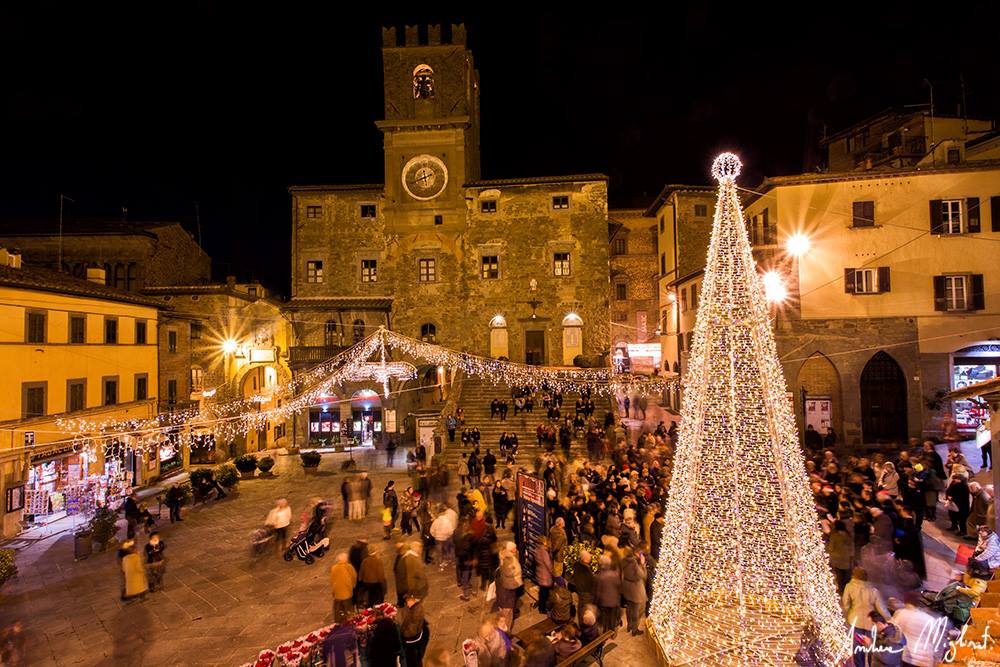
(307, 649)
(571, 556)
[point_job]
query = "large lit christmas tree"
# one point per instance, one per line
(743, 577)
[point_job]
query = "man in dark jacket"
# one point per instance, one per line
(583, 583)
(175, 498)
(131, 508)
(356, 554)
(656, 533)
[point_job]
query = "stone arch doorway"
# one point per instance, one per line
(572, 338)
(259, 383)
(883, 400)
(819, 387)
(499, 346)
(366, 417)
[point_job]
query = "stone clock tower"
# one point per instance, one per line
(431, 126)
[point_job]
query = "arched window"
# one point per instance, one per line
(428, 333)
(572, 338)
(498, 337)
(423, 82)
(359, 331)
(332, 336)
(109, 275)
(132, 277)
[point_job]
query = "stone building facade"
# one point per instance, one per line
(634, 289)
(514, 268)
(134, 255)
(220, 342)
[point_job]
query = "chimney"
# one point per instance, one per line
(11, 258)
(96, 274)
(230, 282)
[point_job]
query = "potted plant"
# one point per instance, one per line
(8, 568)
(201, 484)
(103, 527)
(227, 475)
(349, 465)
(247, 465)
(265, 465)
(310, 461)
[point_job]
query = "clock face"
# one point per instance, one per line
(425, 177)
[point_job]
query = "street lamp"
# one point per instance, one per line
(774, 287)
(229, 346)
(798, 244)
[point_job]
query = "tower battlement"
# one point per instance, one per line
(433, 34)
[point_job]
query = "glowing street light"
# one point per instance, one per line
(229, 346)
(798, 244)
(774, 287)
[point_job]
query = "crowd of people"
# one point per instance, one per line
(873, 510)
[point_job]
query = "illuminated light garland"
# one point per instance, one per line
(606, 381)
(382, 371)
(225, 420)
(743, 577)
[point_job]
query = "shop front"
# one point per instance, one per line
(366, 418)
(60, 484)
(971, 365)
(170, 454)
(324, 422)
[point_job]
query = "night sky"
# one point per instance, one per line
(229, 106)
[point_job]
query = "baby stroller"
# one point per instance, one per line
(260, 540)
(312, 543)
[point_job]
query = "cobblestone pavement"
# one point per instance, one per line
(220, 606)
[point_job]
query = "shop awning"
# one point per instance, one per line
(986, 389)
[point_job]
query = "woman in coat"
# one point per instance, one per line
(888, 479)
(958, 502)
(543, 573)
(634, 588)
(840, 546)
(136, 583)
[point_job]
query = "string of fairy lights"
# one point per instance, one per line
(226, 420)
(743, 577)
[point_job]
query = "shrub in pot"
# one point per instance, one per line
(8, 568)
(348, 465)
(310, 459)
(246, 464)
(265, 465)
(227, 475)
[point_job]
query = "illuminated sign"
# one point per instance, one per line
(262, 356)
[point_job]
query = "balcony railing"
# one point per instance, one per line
(306, 355)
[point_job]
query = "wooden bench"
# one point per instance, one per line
(594, 648)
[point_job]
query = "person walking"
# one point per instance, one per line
(414, 630)
(582, 583)
(408, 508)
(372, 578)
(131, 509)
(175, 498)
(366, 492)
(155, 563)
(136, 583)
(508, 584)
(608, 594)
(390, 452)
(390, 501)
(411, 577)
(278, 518)
(343, 578)
(634, 588)
(355, 499)
(345, 493)
(543, 573)
(860, 598)
(451, 424)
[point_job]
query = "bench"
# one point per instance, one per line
(594, 648)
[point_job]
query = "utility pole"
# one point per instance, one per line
(197, 220)
(62, 198)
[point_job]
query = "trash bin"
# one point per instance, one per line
(82, 544)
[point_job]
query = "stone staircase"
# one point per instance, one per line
(475, 400)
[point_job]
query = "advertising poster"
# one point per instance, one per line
(531, 520)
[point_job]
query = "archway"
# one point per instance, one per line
(572, 338)
(498, 338)
(819, 385)
(258, 384)
(883, 400)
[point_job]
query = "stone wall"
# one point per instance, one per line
(639, 269)
(849, 344)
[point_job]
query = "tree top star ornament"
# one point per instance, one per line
(743, 577)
